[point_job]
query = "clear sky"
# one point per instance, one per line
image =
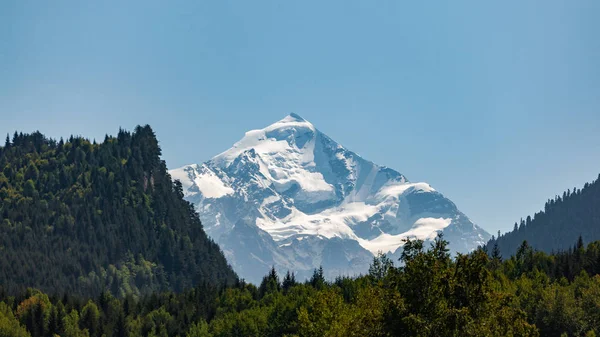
(495, 103)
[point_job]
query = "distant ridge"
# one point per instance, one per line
(564, 218)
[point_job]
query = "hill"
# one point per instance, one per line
(564, 218)
(82, 217)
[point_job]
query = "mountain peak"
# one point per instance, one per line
(292, 120)
(289, 134)
(293, 117)
(309, 196)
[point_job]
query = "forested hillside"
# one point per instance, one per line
(82, 218)
(431, 295)
(564, 218)
(106, 246)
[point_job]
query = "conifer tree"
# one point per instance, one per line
(496, 256)
(289, 281)
(318, 278)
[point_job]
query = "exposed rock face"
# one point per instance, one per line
(290, 196)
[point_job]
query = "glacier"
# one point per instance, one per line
(291, 197)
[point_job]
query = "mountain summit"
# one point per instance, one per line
(290, 196)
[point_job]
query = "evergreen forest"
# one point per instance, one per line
(564, 218)
(97, 241)
(430, 294)
(84, 218)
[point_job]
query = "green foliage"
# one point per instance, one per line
(105, 231)
(324, 315)
(288, 281)
(71, 326)
(157, 323)
(380, 266)
(90, 318)
(79, 217)
(199, 329)
(318, 279)
(9, 325)
(34, 313)
(270, 283)
(429, 294)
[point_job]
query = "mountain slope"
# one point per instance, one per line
(82, 217)
(564, 218)
(288, 195)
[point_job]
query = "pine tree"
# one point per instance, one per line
(440, 248)
(270, 283)
(53, 325)
(288, 281)
(318, 279)
(579, 245)
(90, 318)
(496, 253)
(120, 329)
(380, 266)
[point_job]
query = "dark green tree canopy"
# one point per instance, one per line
(82, 218)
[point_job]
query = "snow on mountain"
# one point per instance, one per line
(288, 195)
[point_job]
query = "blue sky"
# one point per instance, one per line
(496, 104)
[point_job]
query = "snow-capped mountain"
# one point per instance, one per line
(290, 196)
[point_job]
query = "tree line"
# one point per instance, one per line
(428, 293)
(564, 218)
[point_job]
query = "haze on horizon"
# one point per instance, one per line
(494, 105)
